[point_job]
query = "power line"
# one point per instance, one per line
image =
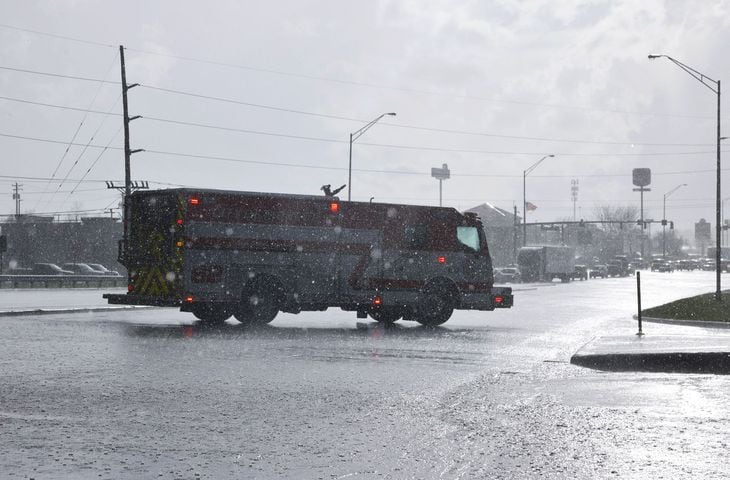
(70, 191)
(91, 139)
(59, 75)
(356, 83)
(249, 104)
(65, 212)
(93, 164)
(62, 107)
(362, 84)
(417, 91)
(81, 124)
(13, 178)
(62, 37)
(403, 172)
(411, 127)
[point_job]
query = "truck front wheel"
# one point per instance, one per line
(260, 302)
(437, 304)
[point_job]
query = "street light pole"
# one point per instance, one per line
(354, 136)
(664, 219)
(525, 173)
(713, 85)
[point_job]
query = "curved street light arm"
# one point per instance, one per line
(701, 77)
(357, 133)
(674, 189)
(534, 165)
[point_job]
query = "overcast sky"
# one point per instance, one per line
(487, 87)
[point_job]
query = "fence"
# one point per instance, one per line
(61, 281)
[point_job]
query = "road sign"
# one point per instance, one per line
(642, 176)
(703, 231)
(442, 173)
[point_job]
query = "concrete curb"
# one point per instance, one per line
(717, 363)
(46, 311)
(704, 354)
(688, 323)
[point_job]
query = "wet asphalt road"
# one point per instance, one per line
(489, 395)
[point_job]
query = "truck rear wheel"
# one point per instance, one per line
(211, 313)
(260, 302)
(437, 304)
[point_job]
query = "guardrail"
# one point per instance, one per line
(61, 281)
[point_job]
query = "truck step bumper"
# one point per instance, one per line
(126, 299)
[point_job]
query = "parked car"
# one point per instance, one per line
(615, 269)
(685, 264)
(101, 268)
(661, 266)
(80, 269)
(48, 269)
(580, 273)
(599, 271)
(507, 275)
(708, 265)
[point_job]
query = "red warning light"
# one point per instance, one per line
(189, 299)
(334, 207)
(377, 301)
(179, 221)
(441, 259)
(194, 201)
(498, 299)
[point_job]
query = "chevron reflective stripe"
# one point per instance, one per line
(151, 281)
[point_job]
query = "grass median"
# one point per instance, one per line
(701, 308)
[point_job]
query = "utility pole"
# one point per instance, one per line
(127, 151)
(16, 196)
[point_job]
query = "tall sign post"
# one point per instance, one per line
(574, 194)
(441, 174)
(642, 178)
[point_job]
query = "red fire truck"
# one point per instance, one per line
(220, 253)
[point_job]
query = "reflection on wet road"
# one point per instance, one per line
(487, 395)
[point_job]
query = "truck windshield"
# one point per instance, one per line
(468, 236)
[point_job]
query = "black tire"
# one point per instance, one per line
(211, 313)
(260, 302)
(436, 304)
(386, 315)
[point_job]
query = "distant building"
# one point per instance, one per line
(502, 235)
(33, 239)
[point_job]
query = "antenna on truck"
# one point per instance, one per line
(329, 192)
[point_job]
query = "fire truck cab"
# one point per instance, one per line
(250, 255)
